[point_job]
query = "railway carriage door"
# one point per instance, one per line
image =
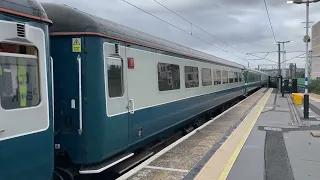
(116, 93)
(23, 85)
(25, 132)
(246, 80)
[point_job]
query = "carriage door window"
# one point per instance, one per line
(206, 77)
(236, 78)
(218, 77)
(19, 76)
(115, 77)
(230, 77)
(224, 77)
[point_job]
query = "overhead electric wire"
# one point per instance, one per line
(274, 52)
(182, 29)
(260, 59)
(212, 34)
(202, 29)
(293, 58)
(197, 26)
(263, 58)
(274, 37)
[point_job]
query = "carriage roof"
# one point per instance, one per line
(68, 20)
(27, 8)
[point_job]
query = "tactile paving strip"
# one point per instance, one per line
(277, 163)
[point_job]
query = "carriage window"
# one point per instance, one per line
(18, 49)
(217, 79)
(168, 76)
(236, 78)
(240, 77)
(224, 77)
(206, 77)
(214, 76)
(19, 76)
(230, 77)
(191, 76)
(115, 77)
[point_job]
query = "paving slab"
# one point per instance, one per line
(250, 158)
(303, 151)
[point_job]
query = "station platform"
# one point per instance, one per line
(262, 137)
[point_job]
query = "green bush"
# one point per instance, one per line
(314, 86)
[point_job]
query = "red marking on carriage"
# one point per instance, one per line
(130, 63)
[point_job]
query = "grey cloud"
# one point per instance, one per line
(241, 23)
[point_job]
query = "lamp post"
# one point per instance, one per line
(280, 80)
(283, 42)
(307, 40)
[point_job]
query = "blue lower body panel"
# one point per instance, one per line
(253, 86)
(27, 157)
(158, 119)
(152, 123)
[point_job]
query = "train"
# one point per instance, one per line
(80, 94)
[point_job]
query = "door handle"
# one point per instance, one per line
(2, 130)
(131, 106)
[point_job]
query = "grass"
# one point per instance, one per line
(314, 86)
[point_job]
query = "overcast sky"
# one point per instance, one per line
(242, 24)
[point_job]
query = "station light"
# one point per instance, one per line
(300, 1)
(294, 1)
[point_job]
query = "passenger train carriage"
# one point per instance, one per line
(254, 79)
(118, 89)
(115, 90)
(26, 116)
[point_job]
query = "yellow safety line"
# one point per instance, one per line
(253, 116)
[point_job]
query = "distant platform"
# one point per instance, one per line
(262, 137)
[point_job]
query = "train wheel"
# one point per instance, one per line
(57, 176)
(63, 174)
